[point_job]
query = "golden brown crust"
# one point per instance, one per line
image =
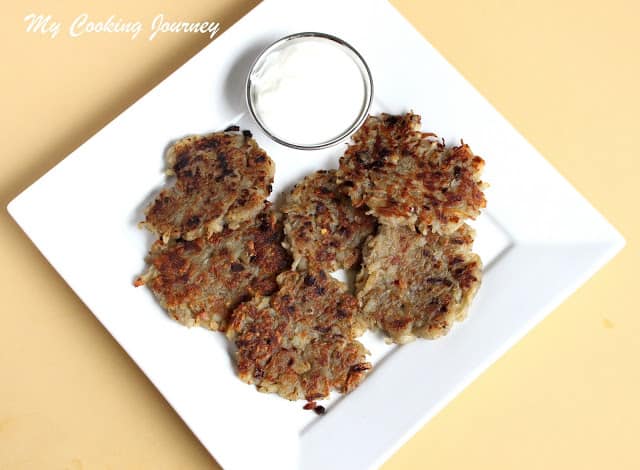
(299, 343)
(406, 177)
(413, 285)
(199, 282)
(221, 179)
(323, 229)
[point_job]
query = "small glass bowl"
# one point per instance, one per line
(351, 52)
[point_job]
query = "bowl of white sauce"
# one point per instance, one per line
(309, 90)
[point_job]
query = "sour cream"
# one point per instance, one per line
(309, 90)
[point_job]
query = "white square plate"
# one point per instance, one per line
(539, 240)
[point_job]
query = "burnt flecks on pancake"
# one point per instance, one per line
(222, 179)
(323, 229)
(406, 177)
(412, 285)
(199, 282)
(299, 342)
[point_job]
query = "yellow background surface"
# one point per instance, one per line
(566, 74)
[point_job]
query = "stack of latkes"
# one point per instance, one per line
(394, 212)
